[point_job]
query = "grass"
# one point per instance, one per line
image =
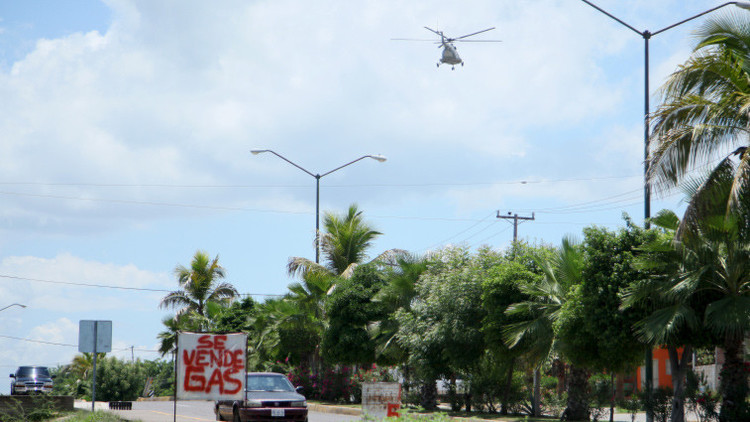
(88, 416)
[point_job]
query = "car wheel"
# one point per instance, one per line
(236, 415)
(218, 415)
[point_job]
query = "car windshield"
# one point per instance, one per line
(268, 383)
(32, 371)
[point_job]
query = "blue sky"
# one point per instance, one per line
(126, 128)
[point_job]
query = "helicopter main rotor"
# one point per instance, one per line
(461, 38)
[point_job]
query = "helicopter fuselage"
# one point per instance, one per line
(450, 54)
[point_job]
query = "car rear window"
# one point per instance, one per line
(268, 383)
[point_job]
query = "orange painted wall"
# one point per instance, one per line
(664, 379)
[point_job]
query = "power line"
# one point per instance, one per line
(38, 341)
(106, 286)
(306, 186)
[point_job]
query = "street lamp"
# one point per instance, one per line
(12, 304)
(317, 177)
(646, 35)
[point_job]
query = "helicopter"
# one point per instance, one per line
(450, 52)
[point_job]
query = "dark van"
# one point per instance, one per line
(30, 380)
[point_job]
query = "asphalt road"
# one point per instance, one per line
(191, 411)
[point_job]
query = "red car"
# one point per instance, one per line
(270, 397)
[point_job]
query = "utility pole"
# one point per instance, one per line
(536, 394)
(132, 354)
(515, 218)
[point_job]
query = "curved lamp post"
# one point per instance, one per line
(12, 304)
(646, 35)
(317, 177)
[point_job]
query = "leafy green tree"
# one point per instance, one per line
(350, 308)
(442, 330)
(118, 380)
(161, 373)
(595, 332)
(235, 317)
(501, 288)
(199, 285)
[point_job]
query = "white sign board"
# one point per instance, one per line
(94, 336)
(381, 399)
(211, 366)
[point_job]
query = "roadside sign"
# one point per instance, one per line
(211, 366)
(381, 399)
(94, 336)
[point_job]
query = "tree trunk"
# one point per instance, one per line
(578, 393)
(679, 372)
(612, 399)
(535, 408)
(508, 386)
(733, 383)
(558, 367)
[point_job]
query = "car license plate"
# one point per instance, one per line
(277, 413)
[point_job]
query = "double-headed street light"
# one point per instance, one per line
(317, 177)
(646, 35)
(12, 304)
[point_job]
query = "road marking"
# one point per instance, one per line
(180, 416)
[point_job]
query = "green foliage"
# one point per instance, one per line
(99, 416)
(127, 379)
(41, 409)
(488, 387)
(118, 380)
(401, 278)
(442, 331)
(346, 239)
(500, 289)
(349, 309)
(660, 403)
(699, 399)
(199, 285)
(162, 374)
(594, 332)
(236, 317)
(336, 385)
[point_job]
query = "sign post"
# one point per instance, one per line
(94, 337)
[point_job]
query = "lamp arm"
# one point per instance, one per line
(693, 17)
(285, 159)
(620, 21)
(347, 164)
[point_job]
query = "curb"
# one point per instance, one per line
(339, 410)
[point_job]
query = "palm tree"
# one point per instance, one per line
(705, 115)
(168, 337)
(401, 277)
(344, 244)
(703, 286)
(199, 285)
(536, 333)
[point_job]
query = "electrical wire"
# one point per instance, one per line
(107, 286)
(306, 186)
